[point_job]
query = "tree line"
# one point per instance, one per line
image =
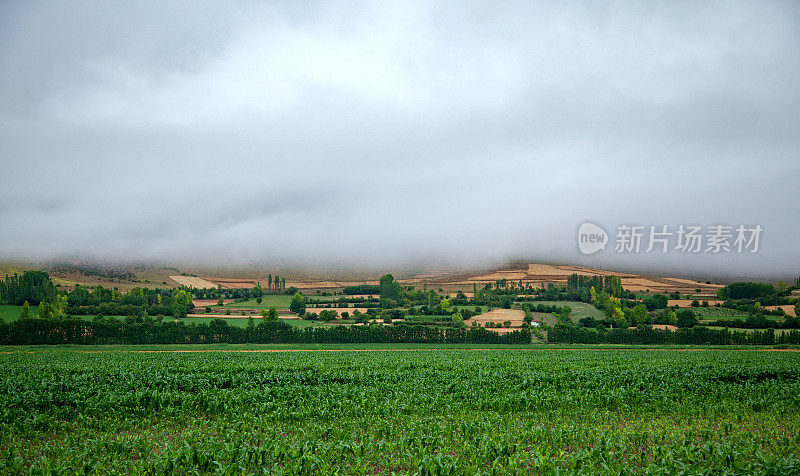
(269, 331)
(361, 289)
(32, 286)
(569, 334)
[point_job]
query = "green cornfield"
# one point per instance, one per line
(402, 411)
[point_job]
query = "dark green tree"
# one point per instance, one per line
(298, 304)
(256, 293)
(685, 318)
(389, 288)
(26, 311)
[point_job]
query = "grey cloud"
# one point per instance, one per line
(382, 134)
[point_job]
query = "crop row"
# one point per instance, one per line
(406, 412)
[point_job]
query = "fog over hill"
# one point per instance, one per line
(416, 135)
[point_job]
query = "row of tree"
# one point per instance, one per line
(757, 321)
(562, 333)
(582, 284)
(136, 302)
(361, 289)
(746, 290)
(276, 284)
(149, 331)
(32, 286)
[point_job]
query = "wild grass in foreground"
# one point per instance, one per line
(448, 411)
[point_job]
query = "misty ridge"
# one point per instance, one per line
(370, 137)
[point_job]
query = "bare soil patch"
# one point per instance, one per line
(193, 282)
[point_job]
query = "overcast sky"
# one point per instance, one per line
(457, 133)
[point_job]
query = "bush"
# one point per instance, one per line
(361, 289)
(686, 318)
(746, 290)
(298, 304)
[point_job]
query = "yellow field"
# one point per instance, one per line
(193, 282)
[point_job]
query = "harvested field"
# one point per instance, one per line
(451, 282)
(544, 273)
(504, 330)
(210, 302)
(788, 309)
(193, 282)
(325, 285)
(317, 285)
(516, 317)
(238, 283)
(688, 302)
(689, 282)
(641, 284)
(498, 275)
(665, 327)
(564, 271)
(339, 310)
(240, 316)
(666, 285)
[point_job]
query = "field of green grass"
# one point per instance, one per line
(11, 313)
(718, 313)
(277, 300)
(419, 410)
